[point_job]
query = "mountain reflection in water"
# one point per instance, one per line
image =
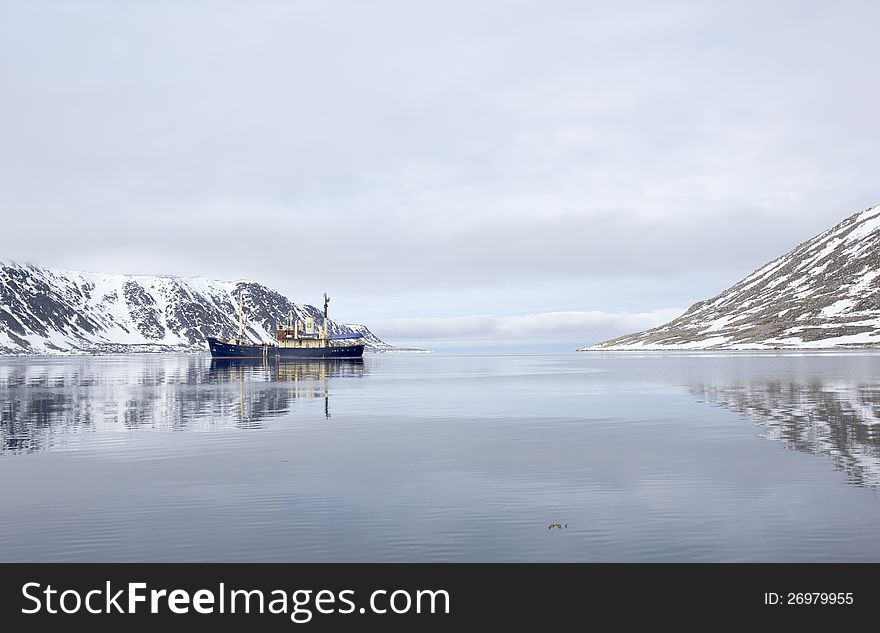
(48, 405)
(840, 421)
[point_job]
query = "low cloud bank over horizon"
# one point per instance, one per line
(566, 328)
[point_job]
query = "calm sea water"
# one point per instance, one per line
(644, 457)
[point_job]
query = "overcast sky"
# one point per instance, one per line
(575, 170)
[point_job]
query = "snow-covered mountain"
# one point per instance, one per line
(823, 294)
(59, 311)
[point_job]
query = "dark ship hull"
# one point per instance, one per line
(220, 349)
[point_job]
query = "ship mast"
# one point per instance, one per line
(241, 315)
(326, 301)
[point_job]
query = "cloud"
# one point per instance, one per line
(587, 326)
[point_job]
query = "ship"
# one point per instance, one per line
(299, 340)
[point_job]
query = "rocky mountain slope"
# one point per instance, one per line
(823, 294)
(53, 311)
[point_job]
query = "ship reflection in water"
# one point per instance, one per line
(293, 379)
(68, 405)
(841, 422)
